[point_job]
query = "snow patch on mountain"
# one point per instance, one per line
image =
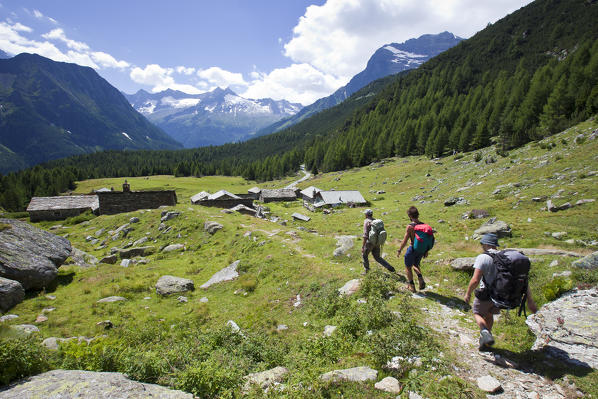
(127, 136)
(179, 102)
(147, 108)
(406, 57)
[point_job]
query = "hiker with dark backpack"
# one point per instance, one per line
(374, 237)
(503, 280)
(421, 237)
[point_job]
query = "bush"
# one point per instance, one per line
(557, 287)
(98, 355)
(477, 157)
(248, 282)
(85, 216)
(377, 284)
(364, 317)
(209, 379)
(21, 358)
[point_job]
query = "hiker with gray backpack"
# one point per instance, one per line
(503, 280)
(374, 237)
(421, 237)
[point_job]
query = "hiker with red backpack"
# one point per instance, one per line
(374, 237)
(503, 280)
(421, 237)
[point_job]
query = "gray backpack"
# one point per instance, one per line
(377, 236)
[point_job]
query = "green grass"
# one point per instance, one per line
(186, 345)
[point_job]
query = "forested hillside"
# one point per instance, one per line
(527, 76)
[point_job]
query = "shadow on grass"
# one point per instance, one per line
(60, 280)
(450, 301)
(550, 362)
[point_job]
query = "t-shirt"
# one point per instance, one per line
(367, 225)
(485, 263)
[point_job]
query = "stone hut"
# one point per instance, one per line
(62, 207)
(112, 202)
(309, 194)
(282, 194)
(221, 199)
(254, 192)
(335, 198)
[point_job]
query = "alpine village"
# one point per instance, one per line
(429, 230)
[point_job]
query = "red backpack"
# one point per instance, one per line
(424, 238)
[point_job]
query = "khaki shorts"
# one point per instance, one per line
(484, 308)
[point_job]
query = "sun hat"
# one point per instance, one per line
(490, 239)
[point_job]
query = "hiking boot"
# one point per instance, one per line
(411, 286)
(486, 340)
(363, 273)
(422, 283)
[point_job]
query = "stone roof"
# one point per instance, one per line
(339, 197)
(200, 196)
(254, 190)
(64, 202)
(223, 194)
(310, 192)
(279, 193)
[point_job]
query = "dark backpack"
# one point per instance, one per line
(509, 288)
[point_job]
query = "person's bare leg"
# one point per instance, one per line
(410, 284)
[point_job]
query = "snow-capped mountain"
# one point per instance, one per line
(389, 59)
(217, 117)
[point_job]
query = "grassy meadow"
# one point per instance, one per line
(289, 277)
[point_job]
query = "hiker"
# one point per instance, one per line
(485, 273)
(418, 249)
(373, 238)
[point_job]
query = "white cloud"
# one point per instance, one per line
(160, 79)
(58, 34)
(297, 83)
(339, 37)
(182, 70)
(13, 42)
(19, 27)
(38, 14)
(107, 61)
(216, 76)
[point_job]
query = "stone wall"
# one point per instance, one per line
(118, 202)
(226, 203)
(55, 214)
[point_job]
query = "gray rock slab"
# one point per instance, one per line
(67, 384)
(265, 379)
(568, 327)
(590, 262)
(212, 227)
(350, 287)
(173, 247)
(167, 285)
(389, 384)
(136, 251)
(25, 328)
(8, 317)
(299, 216)
(545, 251)
(111, 299)
(134, 219)
(488, 384)
(169, 215)
(140, 241)
(329, 330)
(111, 259)
(498, 227)
(11, 294)
(343, 245)
(463, 264)
(228, 273)
(355, 374)
(30, 255)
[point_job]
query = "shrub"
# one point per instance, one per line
(364, 317)
(143, 366)
(557, 287)
(21, 358)
(477, 157)
(83, 217)
(98, 355)
(327, 302)
(377, 284)
(248, 282)
(209, 379)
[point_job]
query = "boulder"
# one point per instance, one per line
(110, 299)
(111, 259)
(167, 285)
(265, 379)
(30, 255)
(350, 287)
(136, 251)
(11, 294)
(173, 247)
(212, 227)
(87, 384)
(355, 374)
(465, 264)
(567, 328)
(498, 227)
(329, 330)
(140, 241)
(8, 317)
(455, 201)
(169, 215)
(83, 259)
(389, 384)
(25, 328)
(488, 384)
(343, 245)
(134, 219)
(228, 273)
(590, 262)
(478, 214)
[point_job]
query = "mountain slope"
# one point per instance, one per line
(389, 59)
(212, 118)
(51, 110)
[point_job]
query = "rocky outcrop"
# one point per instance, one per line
(350, 287)
(11, 293)
(590, 262)
(87, 384)
(498, 227)
(355, 374)
(167, 285)
(136, 251)
(228, 273)
(465, 264)
(343, 245)
(265, 379)
(173, 247)
(83, 259)
(568, 327)
(212, 227)
(30, 255)
(111, 299)
(389, 384)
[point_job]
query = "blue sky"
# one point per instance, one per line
(299, 50)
